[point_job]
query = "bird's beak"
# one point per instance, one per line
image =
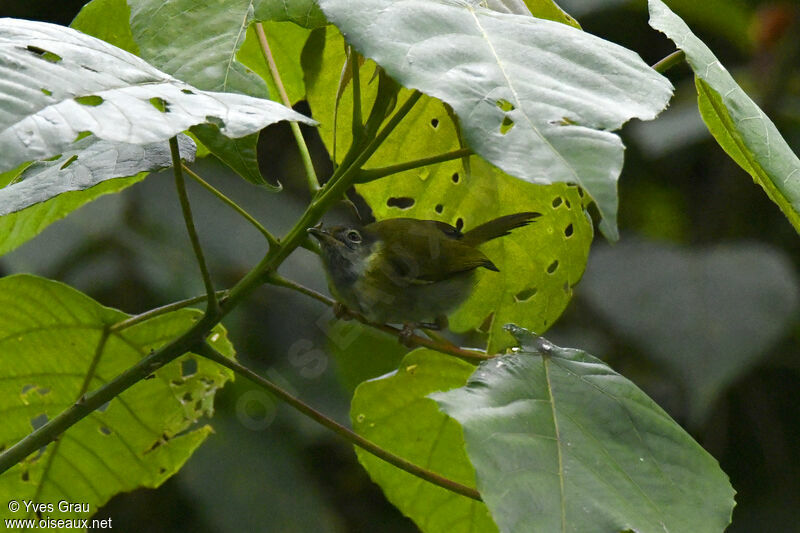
(322, 235)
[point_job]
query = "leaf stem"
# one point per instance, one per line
(233, 205)
(164, 309)
(357, 125)
(305, 155)
(344, 432)
(180, 185)
(440, 345)
(670, 61)
(373, 174)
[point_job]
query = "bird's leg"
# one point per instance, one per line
(341, 312)
(406, 333)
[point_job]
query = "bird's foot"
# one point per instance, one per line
(406, 333)
(341, 312)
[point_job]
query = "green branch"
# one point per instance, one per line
(180, 185)
(164, 309)
(308, 164)
(342, 179)
(670, 61)
(376, 173)
(233, 205)
(440, 345)
(344, 432)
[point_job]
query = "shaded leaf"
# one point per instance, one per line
(738, 124)
(394, 413)
(361, 352)
(58, 83)
(534, 97)
(561, 442)
(305, 13)
(55, 340)
(705, 314)
(49, 190)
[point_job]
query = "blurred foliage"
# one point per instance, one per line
(130, 251)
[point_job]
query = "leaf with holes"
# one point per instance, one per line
(710, 314)
(535, 97)
(49, 190)
(561, 442)
(394, 412)
(735, 121)
(538, 264)
(56, 83)
(56, 345)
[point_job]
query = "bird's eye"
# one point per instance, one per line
(353, 236)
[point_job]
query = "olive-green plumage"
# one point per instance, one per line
(405, 270)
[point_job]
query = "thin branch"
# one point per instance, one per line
(164, 309)
(373, 174)
(440, 345)
(670, 61)
(344, 432)
(180, 185)
(233, 205)
(305, 155)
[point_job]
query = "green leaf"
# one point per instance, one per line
(56, 345)
(49, 190)
(738, 124)
(361, 352)
(108, 20)
(305, 13)
(534, 97)
(286, 41)
(707, 315)
(543, 9)
(55, 76)
(561, 442)
(394, 413)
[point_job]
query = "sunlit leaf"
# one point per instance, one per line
(57, 83)
(534, 97)
(56, 345)
(561, 442)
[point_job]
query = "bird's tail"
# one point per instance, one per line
(497, 228)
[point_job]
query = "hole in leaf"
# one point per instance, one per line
(187, 397)
(46, 91)
(103, 407)
(25, 476)
(580, 192)
(104, 430)
(566, 203)
(460, 224)
(215, 121)
(402, 202)
(54, 158)
(505, 105)
(160, 104)
(44, 54)
(27, 388)
(455, 177)
(91, 100)
(553, 266)
(198, 405)
(486, 324)
(557, 201)
(38, 421)
(177, 382)
(568, 231)
(434, 123)
(439, 208)
(186, 91)
(527, 294)
(506, 125)
(69, 161)
(81, 135)
(188, 367)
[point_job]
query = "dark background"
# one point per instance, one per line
(267, 469)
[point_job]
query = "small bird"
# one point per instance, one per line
(407, 271)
